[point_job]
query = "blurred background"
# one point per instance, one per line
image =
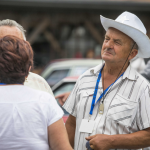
(67, 36)
(59, 29)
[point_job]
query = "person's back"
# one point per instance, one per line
(25, 115)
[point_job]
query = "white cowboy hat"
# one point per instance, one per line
(132, 26)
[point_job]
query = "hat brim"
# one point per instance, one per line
(139, 37)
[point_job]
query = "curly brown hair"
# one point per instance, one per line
(16, 57)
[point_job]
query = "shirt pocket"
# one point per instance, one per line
(84, 105)
(87, 93)
(122, 110)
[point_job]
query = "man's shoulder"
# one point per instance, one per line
(94, 71)
(145, 81)
(89, 75)
(37, 82)
(140, 79)
(35, 76)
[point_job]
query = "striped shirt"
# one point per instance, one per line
(126, 106)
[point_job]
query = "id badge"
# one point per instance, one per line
(87, 126)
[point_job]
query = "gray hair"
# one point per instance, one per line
(134, 45)
(12, 23)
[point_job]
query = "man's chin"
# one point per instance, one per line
(107, 58)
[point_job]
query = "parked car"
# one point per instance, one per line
(65, 85)
(60, 69)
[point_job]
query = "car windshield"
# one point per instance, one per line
(56, 76)
(65, 87)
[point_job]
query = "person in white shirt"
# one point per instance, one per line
(11, 27)
(30, 119)
(110, 104)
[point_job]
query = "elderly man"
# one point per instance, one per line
(109, 106)
(11, 27)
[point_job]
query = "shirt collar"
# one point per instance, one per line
(95, 71)
(130, 73)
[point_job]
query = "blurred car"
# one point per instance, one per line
(60, 69)
(65, 85)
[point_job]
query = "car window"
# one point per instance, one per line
(66, 87)
(56, 76)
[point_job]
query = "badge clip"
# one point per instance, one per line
(101, 109)
(89, 118)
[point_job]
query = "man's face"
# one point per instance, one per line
(6, 30)
(116, 46)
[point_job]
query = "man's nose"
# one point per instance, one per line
(110, 44)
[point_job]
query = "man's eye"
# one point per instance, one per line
(106, 39)
(118, 43)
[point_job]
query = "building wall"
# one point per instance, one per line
(65, 33)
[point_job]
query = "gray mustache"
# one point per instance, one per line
(109, 50)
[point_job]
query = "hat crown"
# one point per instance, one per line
(131, 20)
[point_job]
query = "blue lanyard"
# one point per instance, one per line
(6, 84)
(96, 89)
(2, 84)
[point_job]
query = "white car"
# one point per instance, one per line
(60, 69)
(65, 85)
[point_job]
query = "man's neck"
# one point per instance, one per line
(111, 72)
(112, 69)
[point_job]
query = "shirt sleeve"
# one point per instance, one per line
(71, 103)
(52, 111)
(143, 110)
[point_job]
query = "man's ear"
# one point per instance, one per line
(133, 54)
